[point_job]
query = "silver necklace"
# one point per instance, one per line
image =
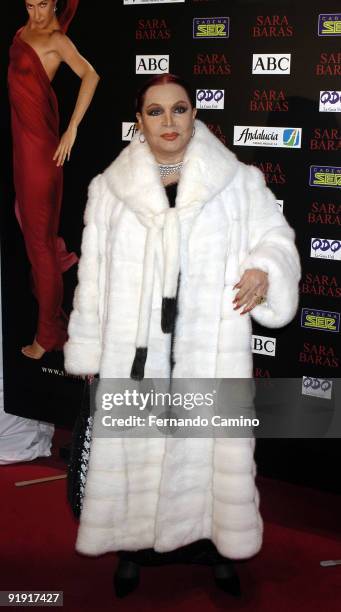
(167, 169)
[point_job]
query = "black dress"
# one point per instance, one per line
(202, 551)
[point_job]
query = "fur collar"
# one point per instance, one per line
(133, 177)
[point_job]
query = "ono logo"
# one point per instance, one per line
(318, 387)
(330, 101)
(317, 383)
(267, 63)
(210, 94)
(324, 248)
(210, 98)
(263, 345)
(322, 244)
(152, 64)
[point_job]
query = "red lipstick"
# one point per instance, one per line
(170, 136)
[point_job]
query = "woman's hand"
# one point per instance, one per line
(252, 285)
(65, 146)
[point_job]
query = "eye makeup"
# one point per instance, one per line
(157, 110)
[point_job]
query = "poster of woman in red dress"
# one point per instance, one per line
(39, 153)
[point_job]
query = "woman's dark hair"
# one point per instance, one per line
(61, 6)
(162, 79)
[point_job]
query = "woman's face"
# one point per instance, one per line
(166, 121)
(40, 12)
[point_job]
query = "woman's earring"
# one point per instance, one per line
(55, 7)
(142, 138)
(193, 131)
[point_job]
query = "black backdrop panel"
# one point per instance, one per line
(236, 55)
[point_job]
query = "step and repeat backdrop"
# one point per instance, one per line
(266, 78)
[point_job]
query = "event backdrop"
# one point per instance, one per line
(266, 76)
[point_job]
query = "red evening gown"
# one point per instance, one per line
(39, 182)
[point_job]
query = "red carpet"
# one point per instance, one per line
(38, 531)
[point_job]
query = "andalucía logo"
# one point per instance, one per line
(325, 176)
(329, 24)
(129, 130)
(252, 136)
(211, 27)
(330, 102)
(323, 320)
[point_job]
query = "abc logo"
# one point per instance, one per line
(271, 64)
(152, 64)
(264, 346)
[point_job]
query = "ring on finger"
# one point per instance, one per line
(259, 298)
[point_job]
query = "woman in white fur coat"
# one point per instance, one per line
(182, 244)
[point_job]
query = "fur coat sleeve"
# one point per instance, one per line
(271, 243)
(83, 349)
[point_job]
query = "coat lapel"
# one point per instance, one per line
(134, 176)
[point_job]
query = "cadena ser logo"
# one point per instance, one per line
(330, 102)
(211, 99)
(323, 320)
(325, 248)
(325, 176)
(211, 27)
(329, 24)
(317, 387)
(252, 136)
(152, 64)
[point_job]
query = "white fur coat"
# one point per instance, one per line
(162, 492)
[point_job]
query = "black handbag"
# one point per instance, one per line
(80, 452)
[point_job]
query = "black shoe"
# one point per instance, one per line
(227, 579)
(126, 578)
